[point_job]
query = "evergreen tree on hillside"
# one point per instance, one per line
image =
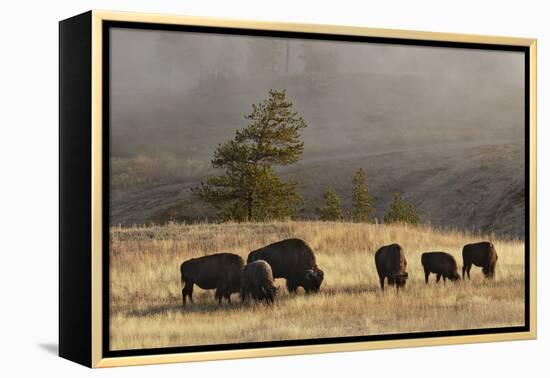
(332, 211)
(361, 202)
(250, 189)
(401, 212)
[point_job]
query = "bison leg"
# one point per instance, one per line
(269, 297)
(244, 295)
(426, 276)
(255, 294)
(190, 292)
(466, 270)
(438, 277)
(219, 296)
(187, 291)
(291, 286)
(382, 278)
(183, 295)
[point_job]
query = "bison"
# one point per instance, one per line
(220, 271)
(441, 264)
(257, 282)
(294, 260)
(391, 263)
(482, 254)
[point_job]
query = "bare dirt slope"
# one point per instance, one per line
(474, 187)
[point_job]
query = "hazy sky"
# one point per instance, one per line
(147, 60)
(181, 93)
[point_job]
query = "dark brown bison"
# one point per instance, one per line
(482, 254)
(441, 264)
(257, 282)
(220, 271)
(294, 260)
(391, 264)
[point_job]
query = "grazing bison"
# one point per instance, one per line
(220, 271)
(440, 263)
(482, 254)
(293, 260)
(257, 282)
(391, 263)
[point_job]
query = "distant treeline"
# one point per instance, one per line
(249, 190)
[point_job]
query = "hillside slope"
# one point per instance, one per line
(475, 188)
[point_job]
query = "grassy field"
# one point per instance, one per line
(145, 288)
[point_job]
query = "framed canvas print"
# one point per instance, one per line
(235, 189)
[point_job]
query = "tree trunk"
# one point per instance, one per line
(249, 205)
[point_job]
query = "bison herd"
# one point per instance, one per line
(294, 260)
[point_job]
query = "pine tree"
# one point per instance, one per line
(401, 212)
(332, 211)
(361, 202)
(250, 189)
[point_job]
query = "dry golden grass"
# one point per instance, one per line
(145, 289)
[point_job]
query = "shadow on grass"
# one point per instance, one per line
(350, 290)
(190, 308)
(204, 305)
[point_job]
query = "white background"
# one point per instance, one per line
(29, 189)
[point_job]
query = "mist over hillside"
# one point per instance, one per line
(443, 126)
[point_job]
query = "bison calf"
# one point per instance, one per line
(294, 260)
(391, 264)
(482, 254)
(220, 271)
(441, 264)
(257, 282)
